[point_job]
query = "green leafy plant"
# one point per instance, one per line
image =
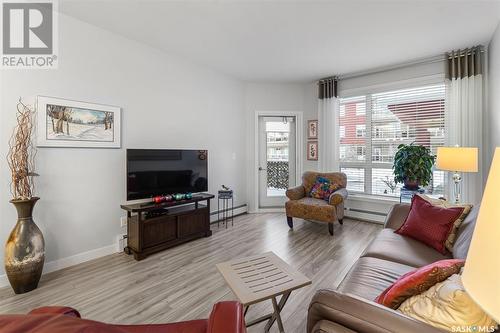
(413, 165)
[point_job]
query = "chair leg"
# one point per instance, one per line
(289, 220)
(341, 221)
(330, 228)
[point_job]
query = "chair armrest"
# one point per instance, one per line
(338, 196)
(360, 315)
(227, 317)
(397, 216)
(56, 310)
(296, 193)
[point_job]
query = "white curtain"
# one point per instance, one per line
(464, 116)
(328, 125)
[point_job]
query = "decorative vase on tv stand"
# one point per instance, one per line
(25, 247)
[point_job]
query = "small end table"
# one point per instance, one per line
(225, 196)
(260, 278)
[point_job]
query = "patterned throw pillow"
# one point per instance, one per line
(418, 281)
(448, 306)
(323, 188)
(430, 224)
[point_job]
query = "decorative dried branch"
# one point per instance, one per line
(21, 156)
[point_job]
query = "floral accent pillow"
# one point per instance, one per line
(417, 281)
(323, 188)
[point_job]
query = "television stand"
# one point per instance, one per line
(155, 227)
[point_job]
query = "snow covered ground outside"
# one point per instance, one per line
(81, 132)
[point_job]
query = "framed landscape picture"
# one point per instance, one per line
(312, 129)
(312, 150)
(66, 123)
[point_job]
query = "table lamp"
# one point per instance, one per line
(481, 273)
(457, 159)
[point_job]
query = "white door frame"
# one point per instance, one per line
(298, 153)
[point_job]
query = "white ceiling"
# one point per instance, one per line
(299, 40)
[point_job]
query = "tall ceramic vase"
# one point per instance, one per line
(25, 249)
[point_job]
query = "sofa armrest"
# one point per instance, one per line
(360, 315)
(296, 193)
(397, 216)
(338, 197)
(56, 310)
(227, 317)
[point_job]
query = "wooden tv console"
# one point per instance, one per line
(155, 227)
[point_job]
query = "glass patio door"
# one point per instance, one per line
(277, 159)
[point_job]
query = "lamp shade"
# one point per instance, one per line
(481, 275)
(463, 159)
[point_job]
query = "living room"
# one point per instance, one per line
(307, 132)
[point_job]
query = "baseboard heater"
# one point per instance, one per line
(235, 209)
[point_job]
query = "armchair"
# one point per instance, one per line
(226, 317)
(301, 205)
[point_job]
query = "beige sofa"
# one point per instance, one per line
(350, 308)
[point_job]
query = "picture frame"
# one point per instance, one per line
(312, 150)
(76, 124)
(312, 129)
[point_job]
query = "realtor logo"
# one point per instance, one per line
(29, 34)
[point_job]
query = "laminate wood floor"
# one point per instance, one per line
(183, 283)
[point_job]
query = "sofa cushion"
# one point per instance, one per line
(464, 234)
(418, 281)
(448, 306)
(369, 277)
(404, 250)
(311, 209)
(326, 326)
(429, 223)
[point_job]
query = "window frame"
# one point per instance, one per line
(368, 164)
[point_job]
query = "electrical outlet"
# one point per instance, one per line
(123, 221)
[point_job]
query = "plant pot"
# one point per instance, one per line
(25, 249)
(412, 185)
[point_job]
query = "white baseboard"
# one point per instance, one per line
(379, 219)
(56, 265)
(237, 211)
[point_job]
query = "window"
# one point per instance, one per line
(342, 132)
(376, 124)
(360, 131)
(342, 110)
(360, 109)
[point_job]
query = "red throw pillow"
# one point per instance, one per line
(418, 281)
(429, 224)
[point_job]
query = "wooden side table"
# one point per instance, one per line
(260, 278)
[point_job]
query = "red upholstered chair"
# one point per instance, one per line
(226, 317)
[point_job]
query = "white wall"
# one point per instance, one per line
(493, 94)
(276, 97)
(166, 103)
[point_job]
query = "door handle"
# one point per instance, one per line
(261, 169)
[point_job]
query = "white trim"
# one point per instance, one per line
(269, 210)
(396, 85)
(59, 264)
(299, 139)
(366, 217)
(383, 69)
(237, 211)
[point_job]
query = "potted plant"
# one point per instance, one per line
(413, 166)
(25, 247)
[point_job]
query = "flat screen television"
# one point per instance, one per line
(152, 172)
